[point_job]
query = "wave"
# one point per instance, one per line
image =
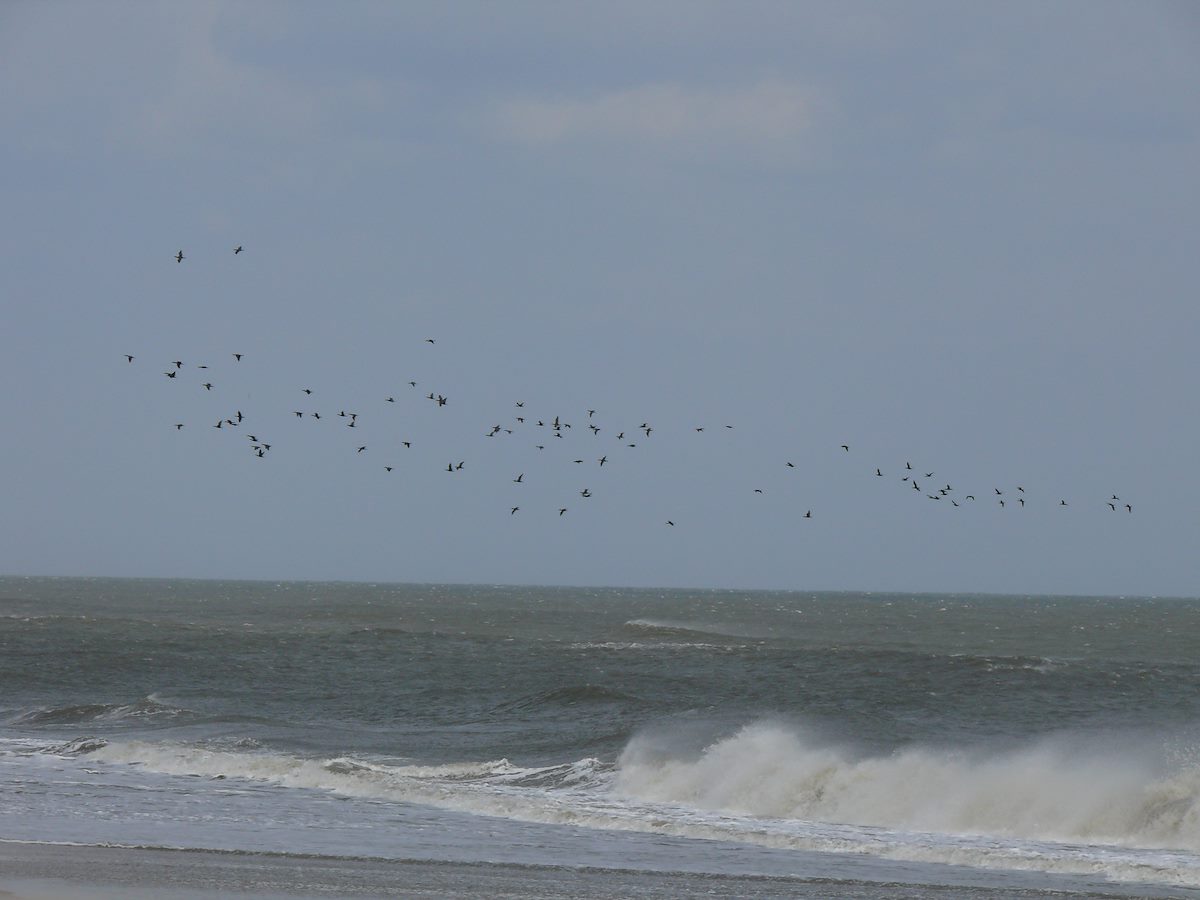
(1044, 808)
(1060, 789)
(570, 695)
(148, 709)
(686, 630)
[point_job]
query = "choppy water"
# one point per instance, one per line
(1033, 743)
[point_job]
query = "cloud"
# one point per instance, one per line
(772, 115)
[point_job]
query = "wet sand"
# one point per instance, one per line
(32, 871)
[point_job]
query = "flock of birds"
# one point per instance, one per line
(549, 429)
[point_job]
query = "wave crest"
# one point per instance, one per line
(147, 709)
(1052, 790)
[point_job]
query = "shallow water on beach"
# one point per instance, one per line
(1028, 744)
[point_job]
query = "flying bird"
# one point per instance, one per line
(237, 249)
(128, 357)
(179, 257)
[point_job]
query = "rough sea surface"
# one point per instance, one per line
(817, 744)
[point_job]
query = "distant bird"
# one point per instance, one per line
(407, 443)
(998, 491)
(179, 363)
(513, 511)
(808, 515)
(604, 459)
(429, 340)
(389, 468)
(238, 357)
(1021, 489)
(459, 466)
(361, 449)
(878, 474)
(178, 425)
(1021, 500)
(307, 390)
(669, 522)
(969, 497)
(585, 493)
(846, 447)
(791, 465)
(390, 400)
(208, 385)
(562, 510)
(1128, 508)
(128, 357)
(518, 479)
(1062, 502)
(239, 415)
(169, 374)
(908, 465)
(928, 474)
(1001, 502)
(179, 257)
(1112, 506)
(237, 249)
(449, 467)
(758, 490)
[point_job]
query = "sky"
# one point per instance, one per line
(957, 236)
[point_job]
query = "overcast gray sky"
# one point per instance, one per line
(958, 235)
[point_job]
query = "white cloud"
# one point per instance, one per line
(771, 115)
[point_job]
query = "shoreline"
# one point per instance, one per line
(41, 871)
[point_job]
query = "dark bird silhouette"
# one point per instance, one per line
(238, 357)
(169, 374)
(239, 415)
(1128, 508)
(562, 510)
(518, 479)
(1062, 502)
(429, 340)
(237, 249)
(128, 357)
(908, 465)
(513, 511)
(208, 385)
(808, 515)
(390, 400)
(1112, 506)
(361, 449)
(669, 522)
(878, 474)
(791, 465)
(179, 363)
(585, 493)
(308, 390)
(406, 443)
(928, 474)
(178, 425)
(758, 490)
(846, 447)
(459, 466)
(389, 468)
(179, 257)
(604, 459)
(969, 497)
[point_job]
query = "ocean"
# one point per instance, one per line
(798, 743)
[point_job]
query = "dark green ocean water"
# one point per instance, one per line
(972, 730)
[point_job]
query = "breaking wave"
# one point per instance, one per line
(1055, 789)
(1047, 807)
